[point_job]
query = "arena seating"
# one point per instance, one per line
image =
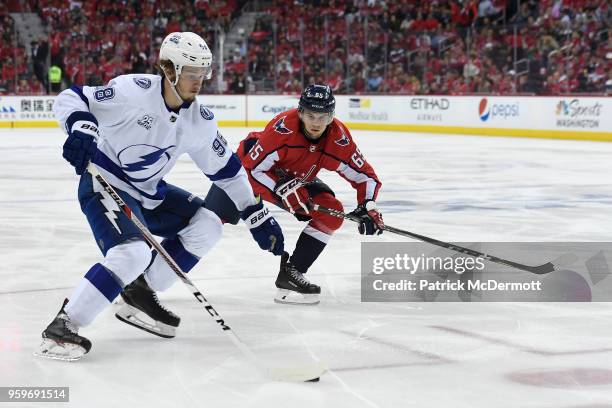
(402, 47)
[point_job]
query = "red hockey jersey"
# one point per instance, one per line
(281, 150)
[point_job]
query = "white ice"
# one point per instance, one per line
(454, 188)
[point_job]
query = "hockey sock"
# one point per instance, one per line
(104, 281)
(159, 276)
(98, 288)
(307, 250)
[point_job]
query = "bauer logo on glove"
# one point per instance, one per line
(264, 228)
(255, 221)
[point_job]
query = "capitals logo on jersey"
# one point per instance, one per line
(141, 162)
(343, 141)
(280, 127)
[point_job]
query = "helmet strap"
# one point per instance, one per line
(173, 84)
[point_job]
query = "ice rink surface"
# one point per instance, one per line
(454, 188)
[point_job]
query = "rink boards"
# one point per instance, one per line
(580, 118)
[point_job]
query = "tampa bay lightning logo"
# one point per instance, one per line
(343, 141)
(144, 83)
(280, 127)
(206, 113)
(142, 162)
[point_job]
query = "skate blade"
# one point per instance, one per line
(136, 318)
(57, 351)
(291, 297)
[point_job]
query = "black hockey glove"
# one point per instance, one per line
(370, 219)
(82, 128)
(264, 228)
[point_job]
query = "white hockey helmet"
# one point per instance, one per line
(186, 49)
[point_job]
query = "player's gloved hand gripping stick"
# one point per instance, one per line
(264, 228)
(369, 218)
(293, 195)
(82, 129)
(538, 269)
(310, 372)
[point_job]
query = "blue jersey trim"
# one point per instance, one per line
(231, 168)
(79, 91)
(107, 164)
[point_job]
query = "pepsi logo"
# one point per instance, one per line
(483, 109)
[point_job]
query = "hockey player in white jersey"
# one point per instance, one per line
(134, 130)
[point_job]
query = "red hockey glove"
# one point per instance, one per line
(293, 195)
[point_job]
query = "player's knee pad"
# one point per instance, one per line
(327, 222)
(128, 260)
(202, 233)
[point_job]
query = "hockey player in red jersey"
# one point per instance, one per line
(282, 162)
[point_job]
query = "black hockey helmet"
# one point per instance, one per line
(317, 98)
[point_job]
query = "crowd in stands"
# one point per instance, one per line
(13, 57)
(94, 41)
(357, 46)
(437, 47)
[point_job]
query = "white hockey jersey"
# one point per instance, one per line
(141, 138)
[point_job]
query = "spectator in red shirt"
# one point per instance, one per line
(173, 25)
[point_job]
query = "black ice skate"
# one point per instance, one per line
(61, 341)
(293, 287)
(141, 299)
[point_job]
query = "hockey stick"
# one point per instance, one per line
(311, 372)
(538, 270)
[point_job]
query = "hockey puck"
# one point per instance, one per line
(314, 379)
